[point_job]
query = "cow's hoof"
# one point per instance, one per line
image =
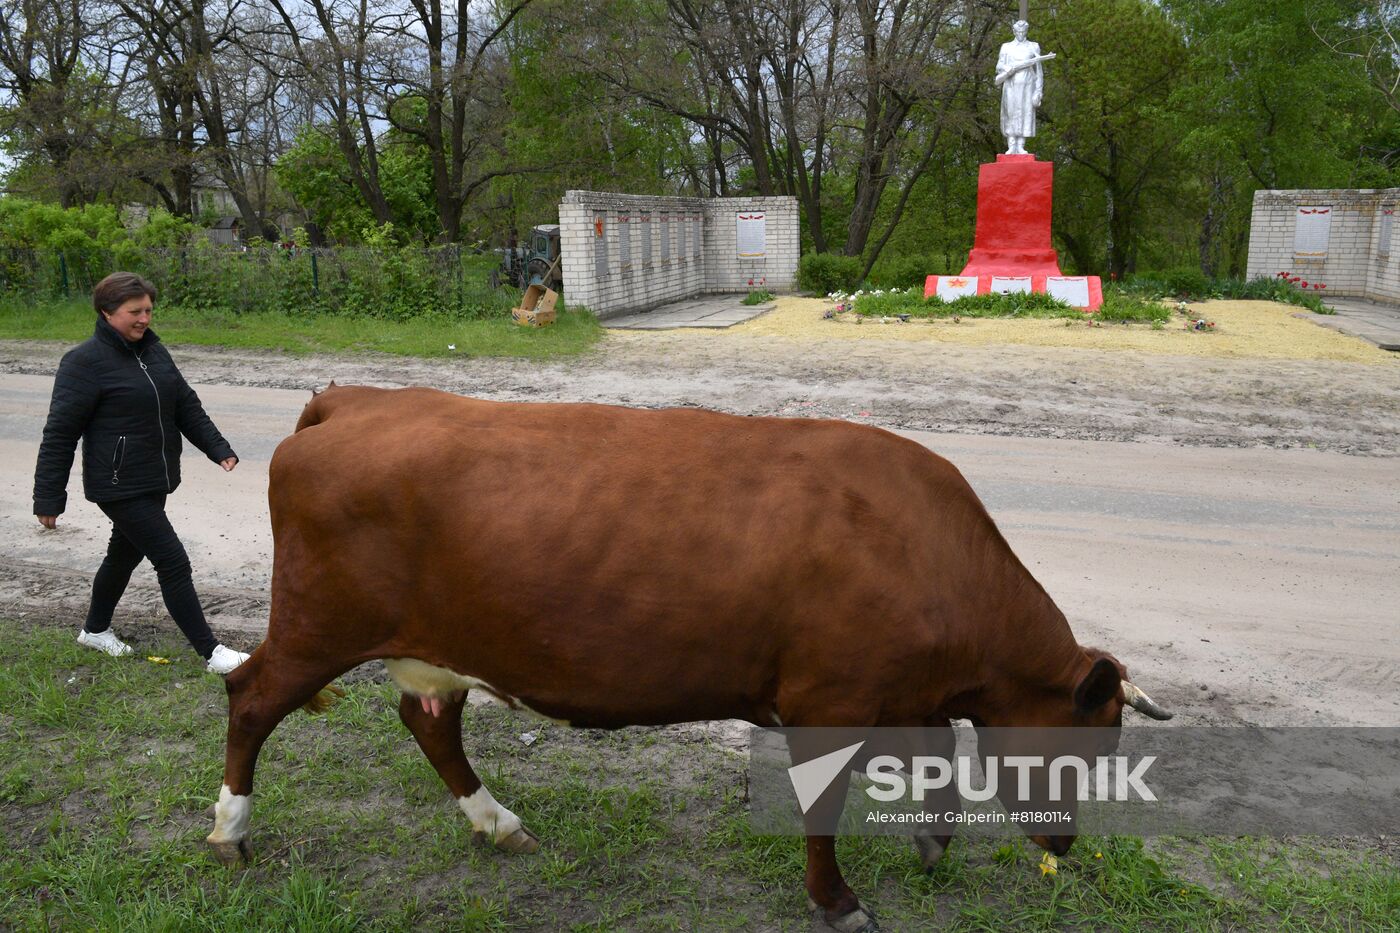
(859, 920)
(931, 849)
(520, 842)
(231, 854)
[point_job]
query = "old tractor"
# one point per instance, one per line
(536, 262)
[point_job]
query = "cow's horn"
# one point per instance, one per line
(1142, 702)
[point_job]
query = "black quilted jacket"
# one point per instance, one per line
(129, 404)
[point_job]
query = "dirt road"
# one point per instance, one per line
(1173, 506)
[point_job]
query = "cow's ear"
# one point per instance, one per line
(1101, 684)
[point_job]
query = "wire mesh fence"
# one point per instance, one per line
(387, 283)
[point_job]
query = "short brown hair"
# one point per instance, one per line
(118, 288)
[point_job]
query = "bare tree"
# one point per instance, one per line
(800, 89)
(193, 55)
(342, 57)
(449, 74)
(1372, 37)
(62, 93)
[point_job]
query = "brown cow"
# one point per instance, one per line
(608, 567)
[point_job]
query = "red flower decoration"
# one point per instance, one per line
(1305, 284)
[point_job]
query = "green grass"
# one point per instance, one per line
(1117, 307)
(70, 320)
(108, 766)
(757, 296)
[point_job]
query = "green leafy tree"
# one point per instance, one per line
(1267, 104)
(1108, 125)
(316, 173)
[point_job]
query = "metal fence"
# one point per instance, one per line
(391, 283)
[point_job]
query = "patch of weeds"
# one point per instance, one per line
(912, 303)
(1118, 308)
(757, 296)
(1191, 285)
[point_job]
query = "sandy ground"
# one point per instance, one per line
(1195, 502)
(1243, 330)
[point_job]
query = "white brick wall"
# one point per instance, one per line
(1352, 265)
(711, 264)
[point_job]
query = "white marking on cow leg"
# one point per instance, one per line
(498, 824)
(229, 840)
(231, 815)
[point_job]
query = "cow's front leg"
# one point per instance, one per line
(827, 890)
(437, 727)
(935, 739)
(260, 695)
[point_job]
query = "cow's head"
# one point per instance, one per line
(1091, 703)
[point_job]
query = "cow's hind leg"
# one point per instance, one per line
(439, 733)
(261, 692)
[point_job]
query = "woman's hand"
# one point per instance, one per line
(48, 521)
(229, 464)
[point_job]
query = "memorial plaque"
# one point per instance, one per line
(665, 234)
(1313, 230)
(1387, 221)
(953, 287)
(644, 232)
(682, 223)
(1073, 290)
(697, 238)
(624, 242)
(600, 244)
(750, 232)
(1011, 285)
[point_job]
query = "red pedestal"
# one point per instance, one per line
(1013, 219)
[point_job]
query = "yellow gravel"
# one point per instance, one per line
(1243, 329)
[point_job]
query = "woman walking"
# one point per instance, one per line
(120, 392)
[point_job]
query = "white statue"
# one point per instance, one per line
(1022, 80)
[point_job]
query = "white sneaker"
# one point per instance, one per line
(224, 660)
(104, 641)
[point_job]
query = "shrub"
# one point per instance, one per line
(1277, 288)
(903, 272)
(824, 273)
(47, 250)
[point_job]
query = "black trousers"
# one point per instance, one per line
(140, 529)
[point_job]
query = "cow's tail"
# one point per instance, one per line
(324, 699)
